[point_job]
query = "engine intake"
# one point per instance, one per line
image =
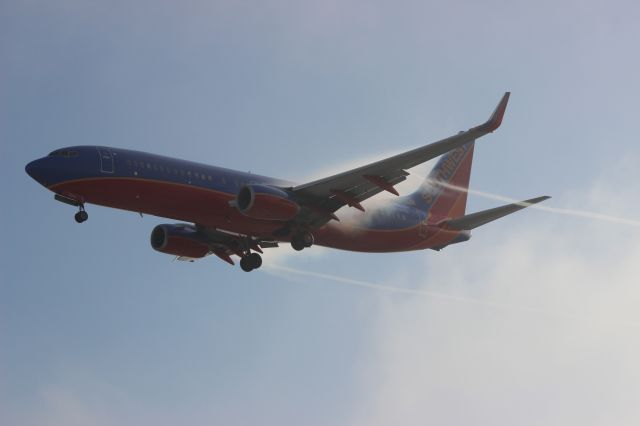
(179, 240)
(266, 202)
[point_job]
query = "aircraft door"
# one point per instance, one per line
(423, 228)
(106, 160)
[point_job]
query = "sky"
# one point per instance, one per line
(533, 321)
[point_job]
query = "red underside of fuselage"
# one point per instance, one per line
(211, 208)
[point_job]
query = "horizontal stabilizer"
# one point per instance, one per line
(474, 220)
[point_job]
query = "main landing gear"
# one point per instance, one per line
(82, 215)
(250, 261)
(302, 241)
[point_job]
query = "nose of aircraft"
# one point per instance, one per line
(35, 170)
(30, 168)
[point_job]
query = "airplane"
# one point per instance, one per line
(231, 213)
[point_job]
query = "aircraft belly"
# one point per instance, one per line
(182, 202)
(353, 238)
(211, 208)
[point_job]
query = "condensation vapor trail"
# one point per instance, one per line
(569, 212)
(286, 272)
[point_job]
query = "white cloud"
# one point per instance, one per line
(556, 341)
(61, 406)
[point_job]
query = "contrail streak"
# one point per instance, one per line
(287, 272)
(569, 212)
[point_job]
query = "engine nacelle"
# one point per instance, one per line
(179, 240)
(266, 203)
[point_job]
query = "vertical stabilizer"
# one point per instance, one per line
(443, 194)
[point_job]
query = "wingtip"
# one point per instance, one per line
(498, 114)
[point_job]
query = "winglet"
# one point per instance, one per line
(496, 118)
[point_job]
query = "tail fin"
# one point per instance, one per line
(443, 193)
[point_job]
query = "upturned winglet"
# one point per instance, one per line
(496, 118)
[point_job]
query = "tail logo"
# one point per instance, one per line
(444, 173)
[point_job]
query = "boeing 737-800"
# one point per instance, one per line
(231, 213)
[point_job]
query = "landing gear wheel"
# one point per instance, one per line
(250, 262)
(255, 260)
(245, 264)
(302, 241)
(297, 243)
(81, 216)
(308, 239)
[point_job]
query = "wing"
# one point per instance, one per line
(321, 198)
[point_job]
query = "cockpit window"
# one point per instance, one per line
(64, 153)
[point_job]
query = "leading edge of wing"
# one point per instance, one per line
(393, 165)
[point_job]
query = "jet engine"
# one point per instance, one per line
(266, 203)
(179, 240)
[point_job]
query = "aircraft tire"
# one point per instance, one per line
(308, 239)
(245, 264)
(255, 260)
(81, 216)
(297, 243)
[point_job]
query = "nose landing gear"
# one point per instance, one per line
(82, 215)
